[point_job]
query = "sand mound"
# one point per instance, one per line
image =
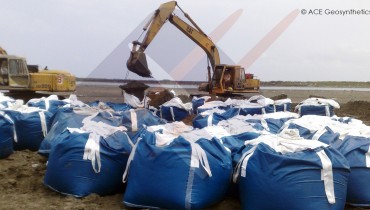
(357, 109)
(159, 97)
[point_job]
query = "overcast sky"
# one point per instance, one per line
(79, 35)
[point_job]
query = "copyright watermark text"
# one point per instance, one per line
(341, 12)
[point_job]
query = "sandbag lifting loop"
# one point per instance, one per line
(199, 158)
(92, 151)
(130, 159)
(133, 120)
(327, 176)
(43, 123)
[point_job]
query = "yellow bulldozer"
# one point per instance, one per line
(27, 81)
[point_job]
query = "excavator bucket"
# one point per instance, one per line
(137, 64)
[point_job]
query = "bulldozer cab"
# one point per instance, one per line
(13, 72)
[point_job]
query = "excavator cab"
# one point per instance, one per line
(137, 62)
(13, 72)
(229, 79)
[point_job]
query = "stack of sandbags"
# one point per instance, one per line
(280, 173)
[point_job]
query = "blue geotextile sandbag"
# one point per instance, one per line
(175, 110)
(213, 105)
(118, 107)
(80, 164)
(31, 128)
(317, 106)
(346, 120)
(200, 109)
(321, 110)
(283, 105)
(5, 104)
(270, 124)
(64, 118)
(325, 135)
(135, 119)
(274, 125)
(172, 113)
(252, 110)
(235, 142)
(6, 101)
(356, 150)
(46, 104)
(275, 173)
(202, 121)
(6, 135)
(257, 109)
(197, 102)
(73, 118)
(170, 177)
(269, 109)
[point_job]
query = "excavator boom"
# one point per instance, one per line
(2, 51)
(137, 62)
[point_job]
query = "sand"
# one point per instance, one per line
(21, 174)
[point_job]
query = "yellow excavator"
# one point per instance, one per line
(27, 81)
(223, 79)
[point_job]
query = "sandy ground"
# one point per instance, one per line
(21, 174)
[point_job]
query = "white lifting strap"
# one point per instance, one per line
(130, 159)
(210, 120)
(367, 156)
(47, 104)
(318, 134)
(92, 151)
(43, 123)
(199, 158)
(133, 120)
(172, 113)
(327, 110)
(241, 167)
(265, 124)
(327, 176)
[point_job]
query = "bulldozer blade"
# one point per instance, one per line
(137, 64)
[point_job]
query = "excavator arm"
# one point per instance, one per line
(137, 62)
